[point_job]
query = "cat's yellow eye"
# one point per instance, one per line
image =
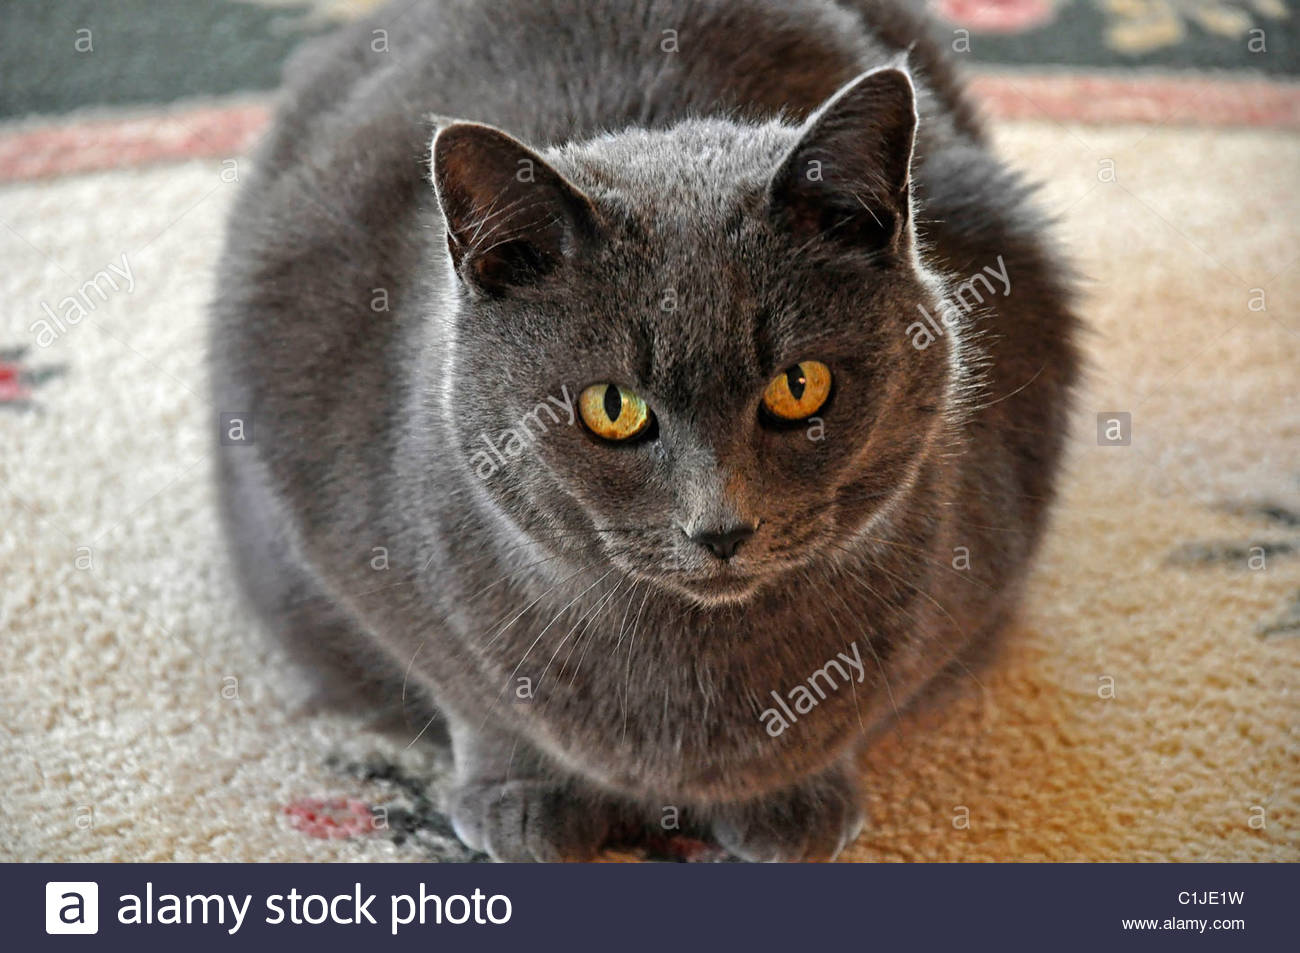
(612, 412)
(798, 392)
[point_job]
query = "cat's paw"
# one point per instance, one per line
(526, 820)
(812, 822)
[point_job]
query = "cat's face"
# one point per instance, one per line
(684, 354)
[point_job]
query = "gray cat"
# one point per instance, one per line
(671, 418)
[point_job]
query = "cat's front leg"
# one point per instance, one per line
(812, 821)
(512, 803)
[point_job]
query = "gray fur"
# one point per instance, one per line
(571, 565)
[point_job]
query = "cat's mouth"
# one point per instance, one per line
(725, 585)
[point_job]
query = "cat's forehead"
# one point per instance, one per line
(693, 174)
(685, 217)
(697, 286)
(697, 318)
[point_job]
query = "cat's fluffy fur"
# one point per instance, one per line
(717, 192)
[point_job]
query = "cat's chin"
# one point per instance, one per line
(715, 591)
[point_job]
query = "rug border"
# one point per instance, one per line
(100, 140)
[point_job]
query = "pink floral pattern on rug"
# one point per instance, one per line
(17, 379)
(997, 16)
(331, 818)
(11, 385)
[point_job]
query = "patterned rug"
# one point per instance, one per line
(1145, 706)
(60, 55)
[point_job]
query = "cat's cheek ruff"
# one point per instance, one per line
(959, 387)
(443, 340)
(965, 360)
(447, 344)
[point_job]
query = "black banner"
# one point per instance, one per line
(648, 906)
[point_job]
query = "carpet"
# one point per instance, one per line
(1145, 704)
(62, 55)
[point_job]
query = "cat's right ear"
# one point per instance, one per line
(848, 178)
(511, 218)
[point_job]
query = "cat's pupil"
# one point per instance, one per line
(795, 380)
(613, 402)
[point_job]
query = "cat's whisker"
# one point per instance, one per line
(419, 734)
(407, 674)
(952, 657)
(852, 686)
(985, 406)
(866, 638)
(520, 615)
(535, 538)
(927, 556)
(517, 571)
(511, 575)
(514, 574)
(510, 679)
(622, 625)
(499, 632)
(316, 598)
(631, 644)
(587, 647)
(592, 612)
(510, 763)
(926, 596)
(556, 618)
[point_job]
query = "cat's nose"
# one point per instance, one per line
(723, 543)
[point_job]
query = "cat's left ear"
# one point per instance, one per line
(848, 177)
(511, 218)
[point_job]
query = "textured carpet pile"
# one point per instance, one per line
(1146, 704)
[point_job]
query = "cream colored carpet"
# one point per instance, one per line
(1145, 707)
